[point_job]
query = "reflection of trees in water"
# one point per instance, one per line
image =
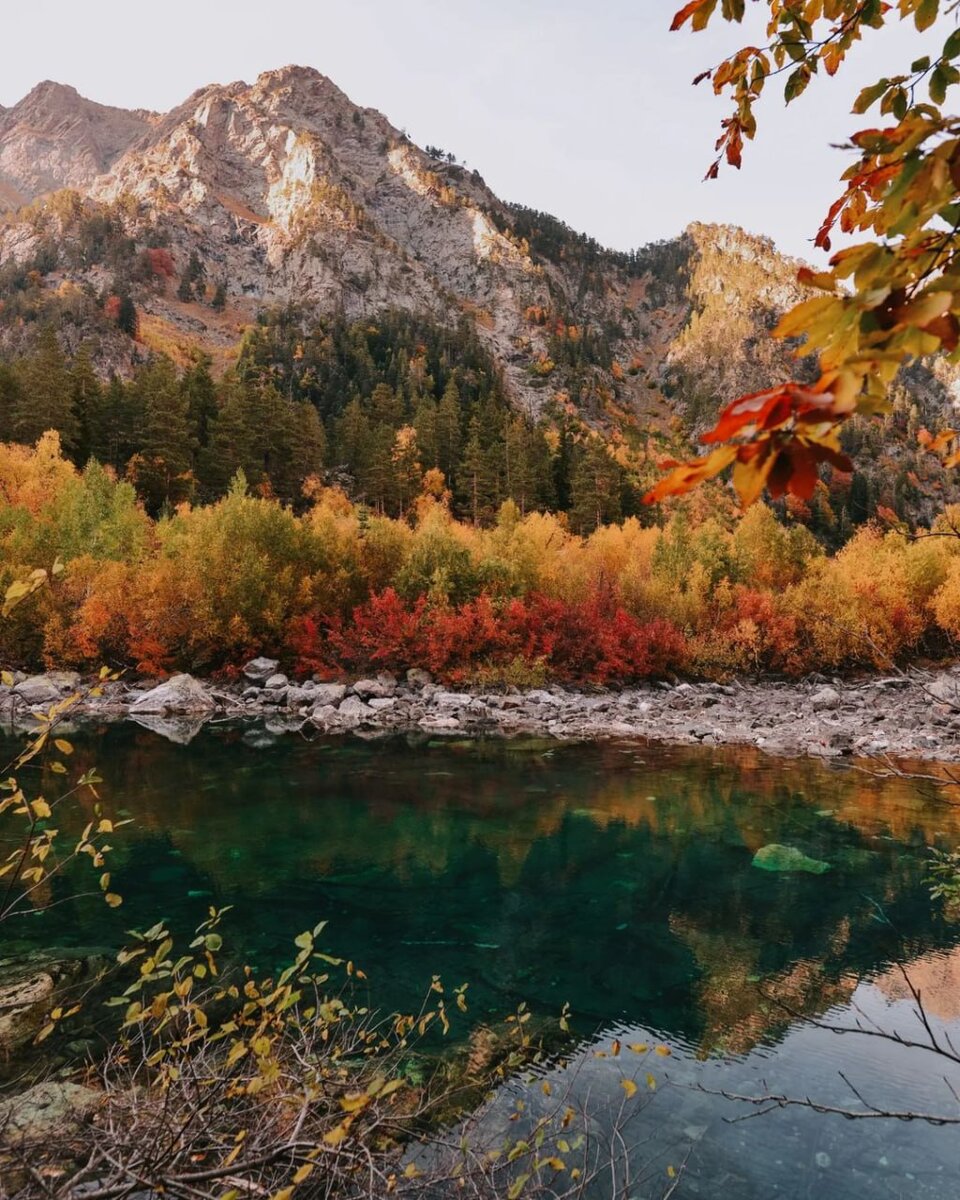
(616, 877)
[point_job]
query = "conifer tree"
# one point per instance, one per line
(162, 468)
(448, 433)
(595, 488)
(9, 399)
(308, 450)
(425, 423)
(201, 393)
(112, 425)
(86, 397)
(229, 447)
(45, 396)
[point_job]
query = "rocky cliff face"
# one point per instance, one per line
(288, 193)
(54, 138)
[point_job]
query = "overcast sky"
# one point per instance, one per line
(585, 110)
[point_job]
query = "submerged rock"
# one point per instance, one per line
(775, 857)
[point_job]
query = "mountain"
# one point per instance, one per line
(54, 138)
(284, 195)
(287, 192)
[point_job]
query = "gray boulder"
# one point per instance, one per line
(945, 690)
(824, 699)
(259, 670)
(375, 689)
(38, 689)
(354, 710)
(419, 679)
(277, 681)
(48, 1112)
(179, 694)
(328, 693)
(64, 681)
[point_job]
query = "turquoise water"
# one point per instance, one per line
(615, 878)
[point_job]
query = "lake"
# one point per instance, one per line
(617, 878)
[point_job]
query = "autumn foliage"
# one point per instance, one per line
(879, 303)
(338, 590)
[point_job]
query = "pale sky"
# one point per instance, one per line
(583, 110)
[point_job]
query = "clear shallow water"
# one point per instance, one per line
(616, 878)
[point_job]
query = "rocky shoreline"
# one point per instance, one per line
(911, 715)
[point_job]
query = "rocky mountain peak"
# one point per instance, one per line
(55, 138)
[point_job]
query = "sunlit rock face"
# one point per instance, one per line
(290, 193)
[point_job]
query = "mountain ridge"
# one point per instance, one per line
(284, 193)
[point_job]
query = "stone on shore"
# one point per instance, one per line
(259, 670)
(824, 699)
(380, 688)
(38, 689)
(179, 694)
(52, 1111)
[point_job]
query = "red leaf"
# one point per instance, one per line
(680, 19)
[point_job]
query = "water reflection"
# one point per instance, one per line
(615, 878)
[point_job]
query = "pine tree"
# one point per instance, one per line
(128, 319)
(112, 425)
(229, 442)
(9, 399)
(448, 433)
(308, 449)
(45, 399)
(86, 395)
(476, 477)
(162, 468)
(425, 423)
(595, 488)
(201, 394)
(353, 439)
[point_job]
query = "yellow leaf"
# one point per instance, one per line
(41, 809)
(639, 1047)
(113, 899)
(411, 1171)
(354, 1102)
(629, 1087)
(337, 1134)
(663, 1051)
(304, 1173)
(63, 746)
(651, 1083)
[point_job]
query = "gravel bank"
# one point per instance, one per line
(915, 715)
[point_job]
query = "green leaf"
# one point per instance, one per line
(926, 14)
(938, 85)
(797, 83)
(870, 95)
